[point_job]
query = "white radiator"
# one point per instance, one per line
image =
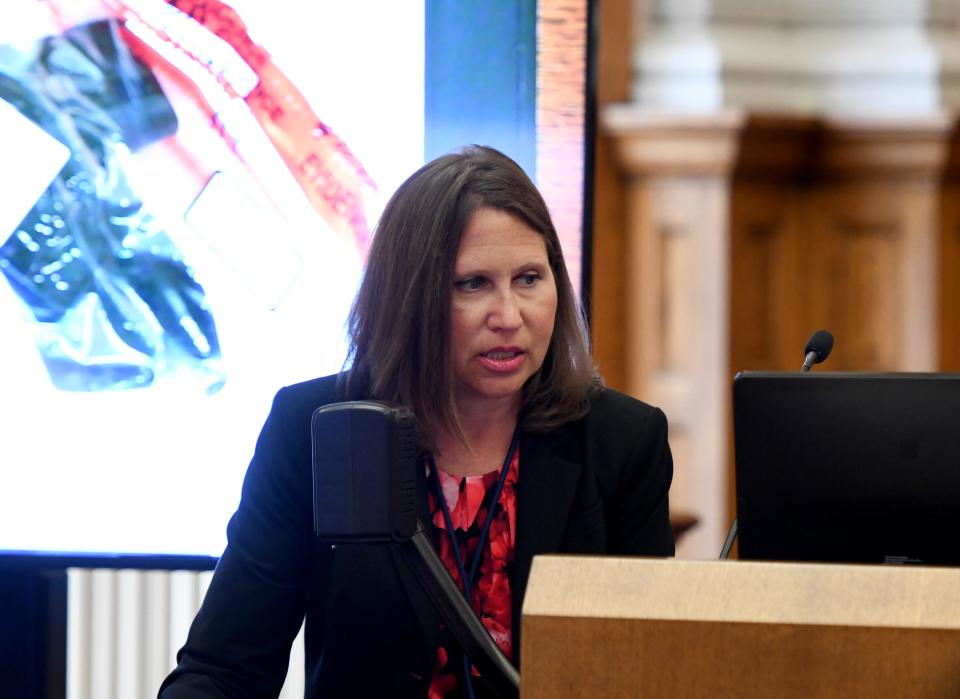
(124, 628)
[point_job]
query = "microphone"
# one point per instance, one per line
(364, 473)
(817, 349)
(364, 464)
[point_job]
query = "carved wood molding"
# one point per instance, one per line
(781, 146)
(879, 148)
(652, 143)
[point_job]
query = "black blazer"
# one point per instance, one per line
(597, 485)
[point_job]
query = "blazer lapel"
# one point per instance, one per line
(549, 476)
(548, 480)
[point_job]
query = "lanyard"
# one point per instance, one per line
(468, 580)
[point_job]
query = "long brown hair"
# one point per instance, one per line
(399, 325)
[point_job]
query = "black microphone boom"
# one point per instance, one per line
(817, 349)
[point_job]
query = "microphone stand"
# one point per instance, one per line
(728, 542)
(449, 601)
(809, 360)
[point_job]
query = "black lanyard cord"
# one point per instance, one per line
(468, 580)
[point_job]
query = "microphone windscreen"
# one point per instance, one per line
(364, 473)
(820, 342)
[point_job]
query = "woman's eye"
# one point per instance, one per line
(529, 279)
(470, 284)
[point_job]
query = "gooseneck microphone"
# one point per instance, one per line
(817, 349)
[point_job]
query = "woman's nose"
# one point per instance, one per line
(505, 313)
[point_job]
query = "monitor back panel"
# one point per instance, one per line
(860, 468)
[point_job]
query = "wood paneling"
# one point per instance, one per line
(748, 232)
(949, 254)
(768, 288)
(607, 308)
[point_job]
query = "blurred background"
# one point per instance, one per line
(765, 169)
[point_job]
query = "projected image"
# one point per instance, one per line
(189, 192)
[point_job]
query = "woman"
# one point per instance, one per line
(465, 314)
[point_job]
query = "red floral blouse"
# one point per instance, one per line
(469, 500)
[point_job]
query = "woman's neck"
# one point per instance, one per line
(488, 430)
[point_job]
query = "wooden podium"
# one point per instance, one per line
(631, 627)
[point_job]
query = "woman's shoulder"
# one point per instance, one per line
(316, 392)
(607, 404)
(615, 417)
(304, 397)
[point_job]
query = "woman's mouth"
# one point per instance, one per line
(502, 359)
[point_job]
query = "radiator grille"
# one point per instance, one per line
(124, 628)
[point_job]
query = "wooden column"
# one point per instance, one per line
(676, 290)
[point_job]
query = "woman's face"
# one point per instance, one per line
(503, 309)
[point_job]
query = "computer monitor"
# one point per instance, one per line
(841, 467)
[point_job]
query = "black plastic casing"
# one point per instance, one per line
(364, 473)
